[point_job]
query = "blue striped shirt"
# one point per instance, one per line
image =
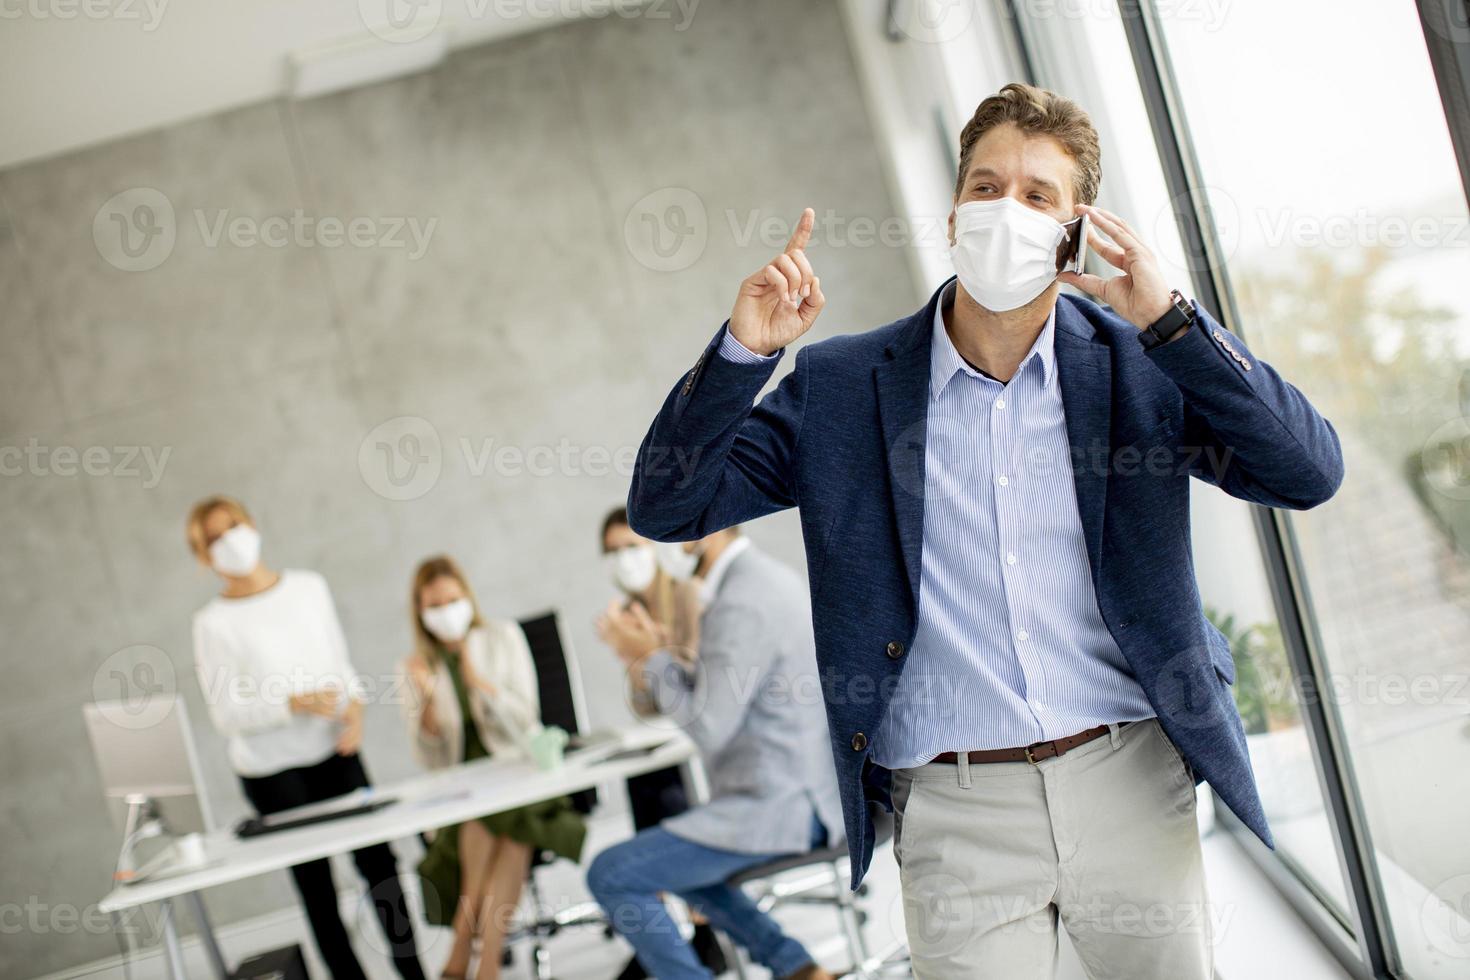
(1010, 647)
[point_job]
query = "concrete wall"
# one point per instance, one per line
(537, 319)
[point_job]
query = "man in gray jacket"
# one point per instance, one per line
(752, 704)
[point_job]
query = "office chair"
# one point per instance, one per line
(820, 877)
(562, 704)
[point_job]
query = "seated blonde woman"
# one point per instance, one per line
(472, 695)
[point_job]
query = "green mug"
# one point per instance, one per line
(548, 747)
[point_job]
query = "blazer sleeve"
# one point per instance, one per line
(1258, 437)
(709, 699)
(712, 459)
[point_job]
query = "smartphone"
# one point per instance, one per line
(1072, 252)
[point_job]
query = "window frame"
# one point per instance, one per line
(1374, 953)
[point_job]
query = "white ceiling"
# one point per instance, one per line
(77, 72)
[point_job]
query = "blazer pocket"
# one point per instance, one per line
(1220, 654)
(1163, 432)
(816, 561)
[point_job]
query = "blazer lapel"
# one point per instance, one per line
(1084, 369)
(903, 407)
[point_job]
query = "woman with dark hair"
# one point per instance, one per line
(634, 570)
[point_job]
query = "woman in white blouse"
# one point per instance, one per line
(472, 694)
(273, 666)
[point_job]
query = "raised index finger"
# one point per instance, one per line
(803, 233)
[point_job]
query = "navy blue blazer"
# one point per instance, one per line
(842, 439)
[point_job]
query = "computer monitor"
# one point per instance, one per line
(148, 755)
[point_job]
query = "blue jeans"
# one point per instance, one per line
(626, 879)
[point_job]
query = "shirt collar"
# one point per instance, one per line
(945, 360)
(717, 571)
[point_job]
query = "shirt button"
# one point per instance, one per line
(1003, 481)
(859, 742)
(895, 650)
(1038, 704)
(1022, 635)
(1000, 403)
(1010, 559)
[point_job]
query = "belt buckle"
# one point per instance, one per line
(1031, 758)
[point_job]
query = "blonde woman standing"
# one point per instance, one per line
(273, 665)
(472, 695)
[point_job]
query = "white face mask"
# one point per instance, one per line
(632, 568)
(236, 552)
(1005, 253)
(677, 563)
(449, 622)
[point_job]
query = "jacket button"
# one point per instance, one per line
(859, 742)
(895, 650)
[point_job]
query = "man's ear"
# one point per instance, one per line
(952, 211)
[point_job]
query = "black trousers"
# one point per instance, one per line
(336, 776)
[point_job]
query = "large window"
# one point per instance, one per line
(1343, 234)
(1087, 53)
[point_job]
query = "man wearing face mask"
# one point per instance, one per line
(274, 668)
(674, 605)
(751, 703)
(994, 498)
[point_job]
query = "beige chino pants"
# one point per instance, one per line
(1102, 840)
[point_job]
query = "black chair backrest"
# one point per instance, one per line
(554, 685)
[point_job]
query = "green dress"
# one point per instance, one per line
(551, 825)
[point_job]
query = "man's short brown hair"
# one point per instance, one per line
(1038, 112)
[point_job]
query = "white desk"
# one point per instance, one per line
(435, 799)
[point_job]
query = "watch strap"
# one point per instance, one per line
(1168, 326)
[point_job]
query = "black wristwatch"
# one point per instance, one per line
(1170, 325)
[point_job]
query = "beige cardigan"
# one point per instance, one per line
(499, 653)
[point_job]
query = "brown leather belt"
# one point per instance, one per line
(1032, 753)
